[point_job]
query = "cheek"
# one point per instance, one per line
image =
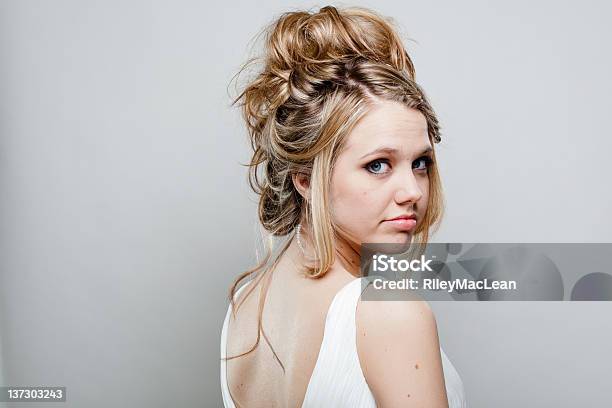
(352, 197)
(352, 201)
(424, 200)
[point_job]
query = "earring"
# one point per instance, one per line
(298, 236)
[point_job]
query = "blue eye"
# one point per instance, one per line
(425, 162)
(376, 166)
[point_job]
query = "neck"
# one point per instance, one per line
(348, 254)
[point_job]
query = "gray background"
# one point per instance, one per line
(124, 204)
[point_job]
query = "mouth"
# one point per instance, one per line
(403, 222)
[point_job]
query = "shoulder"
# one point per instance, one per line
(386, 313)
(403, 318)
(389, 321)
(399, 352)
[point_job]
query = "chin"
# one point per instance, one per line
(403, 238)
(398, 237)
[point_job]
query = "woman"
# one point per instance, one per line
(343, 155)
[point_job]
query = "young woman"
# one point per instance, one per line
(343, 142)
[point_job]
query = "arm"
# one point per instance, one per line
(399, 352)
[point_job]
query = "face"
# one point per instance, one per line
(381, 174)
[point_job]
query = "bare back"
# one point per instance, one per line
(293, 320)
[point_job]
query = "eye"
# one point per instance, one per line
(377, 166)
(422, 163)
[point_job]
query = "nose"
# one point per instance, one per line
(408, 190)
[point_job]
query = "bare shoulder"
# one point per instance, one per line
(399, 352)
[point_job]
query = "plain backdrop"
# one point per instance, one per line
(126, 213)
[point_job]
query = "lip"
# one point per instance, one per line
(403, 222)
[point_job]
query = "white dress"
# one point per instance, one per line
(337, 379)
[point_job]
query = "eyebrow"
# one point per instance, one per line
(392, 150)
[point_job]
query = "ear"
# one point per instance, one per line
(302, 184)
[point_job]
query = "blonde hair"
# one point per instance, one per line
(321, 74)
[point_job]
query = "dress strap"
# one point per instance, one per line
(225, 393)
(337, 379)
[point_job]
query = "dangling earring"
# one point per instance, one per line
(298, 237)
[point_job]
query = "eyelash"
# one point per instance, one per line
(428, 162)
